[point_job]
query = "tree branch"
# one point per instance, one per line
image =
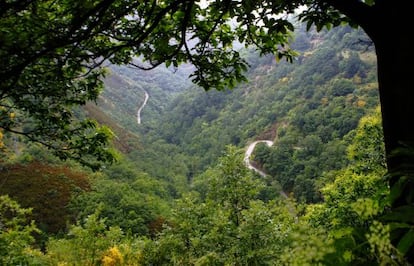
(359, 12)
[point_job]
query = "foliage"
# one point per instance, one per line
(44, 76)
(112, 257)
(348, 220)
(399, 219)
(308, 246)
(86, 244)
(1, 141)
(16, 234)
(310, 136)
(52, 62)
(229, 227)
(132, 205)
(124, 141)
(279, 98)
(367, 148)
(174, 170)
(47, 189)
(94, 243)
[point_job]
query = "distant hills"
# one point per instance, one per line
(312, 103)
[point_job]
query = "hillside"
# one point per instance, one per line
(125, 89)
(179, 190)
(308, 106)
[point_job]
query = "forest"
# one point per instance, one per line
(174, 189)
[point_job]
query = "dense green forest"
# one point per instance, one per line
(180, 194)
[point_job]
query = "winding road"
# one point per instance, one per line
(249, 152)
(142, 107)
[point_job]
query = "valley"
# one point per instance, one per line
(184, 188)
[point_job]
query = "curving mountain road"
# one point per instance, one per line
(142, 107)
(249, 152)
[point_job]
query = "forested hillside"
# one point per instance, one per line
(180, 194)
(308, 107)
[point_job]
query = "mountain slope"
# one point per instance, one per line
(310, 105)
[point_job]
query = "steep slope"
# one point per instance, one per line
(311, 105)
(126, 89)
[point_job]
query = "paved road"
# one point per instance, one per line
(249, 152)
(142, 107)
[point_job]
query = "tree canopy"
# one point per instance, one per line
(53, 54)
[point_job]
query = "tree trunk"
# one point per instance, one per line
(390, 29)
(396, 87)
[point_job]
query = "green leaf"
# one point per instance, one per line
(397, 188)
(401, 214)
(406, 242)
(370, 2)
(394, 226)
(308, 25)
